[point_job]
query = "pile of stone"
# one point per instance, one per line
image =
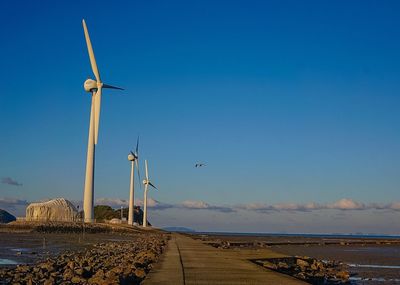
(309, 269)
(56, 227)
(223, 244)
(125, 262)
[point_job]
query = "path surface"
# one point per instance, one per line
(188, 261)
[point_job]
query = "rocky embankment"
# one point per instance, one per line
(58, 227)
(65, 227)
(125, 262)
(308, 269)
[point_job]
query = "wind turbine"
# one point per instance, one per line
(133, 157)
(94, 87)
(146, 183)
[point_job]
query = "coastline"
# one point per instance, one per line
(53, 253)
(373, 259)
(64, 251)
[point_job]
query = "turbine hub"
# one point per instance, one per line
(131, 157)
(145, 181)
(90, 85)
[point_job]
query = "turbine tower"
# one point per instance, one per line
(94, 87)
(146, 183)
(134, 159)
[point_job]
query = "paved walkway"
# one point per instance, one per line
(188, 262)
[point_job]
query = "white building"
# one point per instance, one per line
(59, 209)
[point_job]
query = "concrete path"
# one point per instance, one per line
(188, 262)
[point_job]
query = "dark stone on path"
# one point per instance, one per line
(308, 269)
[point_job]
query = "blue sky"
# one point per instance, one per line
(286, 102)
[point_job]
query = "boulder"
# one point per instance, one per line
(302, 264)
(343, 275)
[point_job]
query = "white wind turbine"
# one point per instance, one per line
(94, 87)
(146, 183)
(133, 157)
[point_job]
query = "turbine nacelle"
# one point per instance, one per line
(90, 85)
(147, 182)
(132, 157)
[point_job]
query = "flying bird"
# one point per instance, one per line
(199, 165)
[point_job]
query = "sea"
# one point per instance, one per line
(375, 262)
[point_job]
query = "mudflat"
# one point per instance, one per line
(57, 253)
(372, 259)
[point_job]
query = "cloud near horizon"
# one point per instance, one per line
(157, 205)
(117, 203)
(10, 203)
(201, 205)
(344, 204)
(10, 181)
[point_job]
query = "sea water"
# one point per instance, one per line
(368, 263)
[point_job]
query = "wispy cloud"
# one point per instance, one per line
(157, 205)
(344, 204)
(9, 203)
(10, 181)
(348, 204)
(201, 205)
(263, 208)
(112, 202)
(394, 206)
(117, 203)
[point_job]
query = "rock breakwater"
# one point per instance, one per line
(125, 262)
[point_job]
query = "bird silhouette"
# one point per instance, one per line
(199, 165)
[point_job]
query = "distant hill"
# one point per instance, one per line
(179, 229)
(6, 217)
(103, 212)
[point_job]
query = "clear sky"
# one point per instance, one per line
(287, 102)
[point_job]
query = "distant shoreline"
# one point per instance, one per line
(370, 236)
(63, 253)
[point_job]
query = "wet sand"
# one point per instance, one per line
(366, 262)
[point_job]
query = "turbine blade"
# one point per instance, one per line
(91, 53)
(152, 185)
(132, 153)
(147, 173)
(97, 103)
(112, 87)
(138, 173)
(137, 146)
